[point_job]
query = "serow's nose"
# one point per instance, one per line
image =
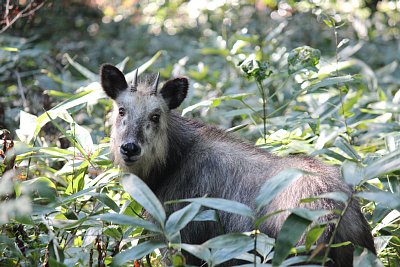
(130, 149)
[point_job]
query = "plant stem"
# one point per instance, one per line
(335, 230)
(264, 102)
(255, 246)
(340, 90)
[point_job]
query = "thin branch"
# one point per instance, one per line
(21, 90)
(27, 11)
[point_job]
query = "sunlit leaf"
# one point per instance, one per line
(303, 57)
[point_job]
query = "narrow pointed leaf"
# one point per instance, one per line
(223, 205)
(179, 219)
(276, 185)
(198, 251)
(347, 148)
(83, 70)
(391, 200)
(364, 257)
(388, 163)
(352, 172)
(230, 240)
(140, 192)
(137, 252)
(291, 232)
(127, 220)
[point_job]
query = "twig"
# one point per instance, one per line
(21, 14)
(21, 90)
(335, 230)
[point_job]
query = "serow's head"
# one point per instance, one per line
(140, 117)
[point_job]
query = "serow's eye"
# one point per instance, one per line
(121, 112)
(155, 118)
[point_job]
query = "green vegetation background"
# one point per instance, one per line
(314, 77)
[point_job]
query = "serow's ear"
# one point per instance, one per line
(174, 91)
(112, 80)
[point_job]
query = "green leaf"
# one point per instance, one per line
(256, 69)
(328, 20)
(9, 49)
(391, 200)
(364, 257)
(83, 138)
(106, 201)
(343, 42)
(224, 253)
(137, 252)
(113, 232)
(326, 82)
(337, 196)
(91, 235)
(389, 219)
(127, 220)
(215, 102)
(131, 75)
(140, 192)
(179, 219)
(388, 163)
(352, 172)
(311, 215)
(381, 242)
(198, 251)
(304, 57)
(254, 265)
(236, 128)
(207, 215)
(215, 51)
(347, 148)
(292, 229)
(84, 71)
(275, 185)
(81, 193)
(27, 126)
(42, 185)
(222, 204)
(230, 240)
(313, 235)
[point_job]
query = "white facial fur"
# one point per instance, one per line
(137, 127)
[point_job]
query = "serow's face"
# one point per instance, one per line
(140, 116)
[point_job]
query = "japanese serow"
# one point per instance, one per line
(183, 158)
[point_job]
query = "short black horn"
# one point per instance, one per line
(155, 85)
(134, 82)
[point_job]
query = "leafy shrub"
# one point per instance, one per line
(62, 200)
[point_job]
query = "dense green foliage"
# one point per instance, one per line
(319, 78)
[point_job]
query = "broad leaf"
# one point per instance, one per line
(388, 199)
(140, 192)
(179, 219)
(223, 205)
(275, 185)
(364, 257)
(127, 220)
(292, 229)
(137, 252)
